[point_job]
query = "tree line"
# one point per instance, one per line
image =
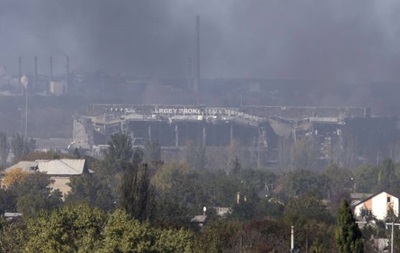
(136, 202)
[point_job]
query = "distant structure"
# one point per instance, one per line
(259, 130)
(35, 83)
(197, 72)
(51, 68)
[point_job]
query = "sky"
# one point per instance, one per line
(333, 41)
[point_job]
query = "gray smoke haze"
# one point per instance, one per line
(336, 40)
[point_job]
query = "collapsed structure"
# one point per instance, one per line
(256, 128)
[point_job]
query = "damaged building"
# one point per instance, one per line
(335, 132)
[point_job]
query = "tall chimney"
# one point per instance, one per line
(197, 74)
(20, 72)
(67, 79)
(36, 75)
(190, 73)
(51, 68)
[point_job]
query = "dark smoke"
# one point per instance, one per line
(336, 40)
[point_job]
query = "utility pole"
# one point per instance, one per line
(291, 238)
(391, 242)
(26, 112)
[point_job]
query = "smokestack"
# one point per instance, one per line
(20, 71)
(197, 74)
(51, 68)
(190, 73)
(36, 75)
(67, 58)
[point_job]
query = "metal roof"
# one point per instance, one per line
(62, 166)
(25, 166)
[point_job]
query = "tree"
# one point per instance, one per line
(17, 145)
(122, 234)
(34, 194)
(195, 155)
(387, 176)
(13, 235)
(152, 151)
(119, 153)
(89, 189)
(236, 166)
(4, 149)
(348, 235)
(76, 228)
(15, 176)
(304, 154)
(299, 182)
(179, 184)
(21, 147)
(136, 193)
(306, 207)
(366, 178)
(341, 180)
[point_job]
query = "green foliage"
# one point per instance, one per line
(387, 177)
(304, 155)
(136, 193)
(317, 236)
(88, 188)
(172, 240)
(34, 194)
(299, 182)
(306, 207)
(340, 180)
(119, 153)
(69, 229)
(373, 179)
(79, 228)
(7, 200)
(122, 234)
(245, 210)
(4, 149)
(13, 236)
(179, 184)
(236, 166)
(219, 236)
(366, 178)
(348, 235)
(152, 151)
(195, 155)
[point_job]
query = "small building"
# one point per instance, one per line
(199, 220)
(378, 205)
(58, 88)
(59, 170)
(12, 216)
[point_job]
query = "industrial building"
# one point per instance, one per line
(259, 129)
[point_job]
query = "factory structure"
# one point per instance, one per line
(259, 129)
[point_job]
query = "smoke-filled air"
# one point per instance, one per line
(199, 126)
(350, 41)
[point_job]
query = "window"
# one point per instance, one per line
(388, 199)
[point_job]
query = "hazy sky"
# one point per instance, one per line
(334, 40)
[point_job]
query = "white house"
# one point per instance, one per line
(377, 205)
